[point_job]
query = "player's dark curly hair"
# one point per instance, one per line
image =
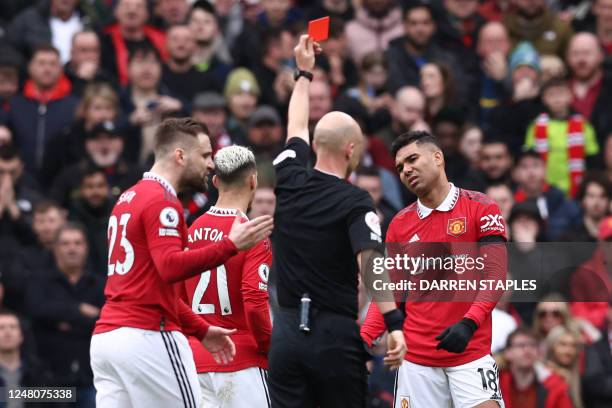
(417, 136)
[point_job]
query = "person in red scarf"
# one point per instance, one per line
(44, 107)
(563, 139)
(130, 32)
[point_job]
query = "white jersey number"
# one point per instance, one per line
(224, 301)
(124, 267)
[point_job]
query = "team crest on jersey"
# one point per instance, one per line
(405, 402)
(456, 226)
(169, 217)
(264, 272)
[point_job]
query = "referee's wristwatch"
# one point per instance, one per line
(299, 73)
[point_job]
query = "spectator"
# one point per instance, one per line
(407, 54)
(602, 9)
(502, 195)
(527, 383)
(48, 22)
(17, 200)
(594, 198)
(73, 297)
(597, 376)
(209, 109)
(264, 202)
(376, 23)
(562, 357)
(371, 92)
(368, 179)
(532, 21)
(130, 32)
(407, 109)
(211, 53)
(503, 323)
(591, 85)
(6, 136)
(99, 103)
(320, 100)
(565, 142)
(335, 57)
(241, 94)
(457, 33)
(511, 119)
(272, 70)
(104, 146)
(10, 64)
(530, 177)
(170, 12)
(494, 10)
(264, 135)
(470, 144)
(278, 13)
(43, 109)
(92, 208)
(526, 226)
(495, 162)
(552, 67)
(608, 157)
(179, 76)
(493, 48)
(341, 9)
(17, 368)
(84, 65)
(438, 86)
(145, 102)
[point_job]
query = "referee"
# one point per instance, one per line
(324, 227)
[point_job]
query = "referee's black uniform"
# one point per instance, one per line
(321, 223)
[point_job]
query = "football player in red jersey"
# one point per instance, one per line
(139, 356)
(234, 294)
(448, 361)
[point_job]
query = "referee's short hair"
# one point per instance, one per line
(233, 163)
(418, 136)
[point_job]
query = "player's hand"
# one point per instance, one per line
(396, 349)
(305, 52)
(245, 235)
(218, 342)
(455, 338)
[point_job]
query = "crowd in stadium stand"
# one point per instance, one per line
(518, 93)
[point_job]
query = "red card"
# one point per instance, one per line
(318, 29)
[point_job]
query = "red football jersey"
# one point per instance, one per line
(147, 237)
(464, 216)
(233, 295)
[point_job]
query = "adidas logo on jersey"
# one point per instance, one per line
(414, 238)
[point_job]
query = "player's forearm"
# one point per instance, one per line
(191, 323)
(258, 320)
(175, 265)
(373, 326)
(299, 107)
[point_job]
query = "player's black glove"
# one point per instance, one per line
(456, 337)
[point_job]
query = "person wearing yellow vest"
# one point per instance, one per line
(565, 140)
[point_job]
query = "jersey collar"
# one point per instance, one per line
(228, 212)
(156, 177)
(446, 205)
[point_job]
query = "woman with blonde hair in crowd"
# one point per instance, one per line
(562, 355)
(99, 103)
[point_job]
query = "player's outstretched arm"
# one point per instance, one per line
(299, 105)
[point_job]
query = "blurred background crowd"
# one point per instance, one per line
(518, 92)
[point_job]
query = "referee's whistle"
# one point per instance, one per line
(305, 313)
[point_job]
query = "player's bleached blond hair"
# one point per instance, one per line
(232, 163)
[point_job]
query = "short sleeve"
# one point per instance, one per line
(163, 223)
(364, 226)
(490, 221)
(291, 163)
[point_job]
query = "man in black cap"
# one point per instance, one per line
(264, 135)
(104, 148)
(209, 109)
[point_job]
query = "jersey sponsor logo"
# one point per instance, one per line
(456, 226)
(264, 272)
(285, 154)
(126, 197)
(168, 232)
(492, 222)
(405, 402)
(373, 223)
(169, 217)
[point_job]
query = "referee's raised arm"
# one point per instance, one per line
(299, 105)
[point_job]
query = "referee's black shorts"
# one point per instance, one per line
(324, 368)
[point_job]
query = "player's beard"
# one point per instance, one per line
(196, 181)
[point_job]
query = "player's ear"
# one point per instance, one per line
(349, 150)
(253, 181)
(179, 155)
(438, 157)
(215, 181)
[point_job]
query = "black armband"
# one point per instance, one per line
(394, 320)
